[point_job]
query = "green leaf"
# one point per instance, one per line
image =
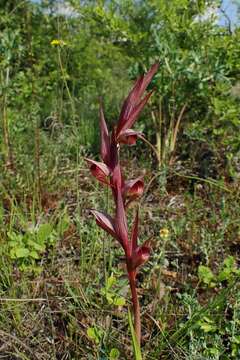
(22, 252)
(229, 262)
(63, 224)
(36, 246)
(110, 282)
(44, 232)
(94, 334)
(207, 325)
(114, 354)
(136, 347)
(34, 254)
(119, 301)
(205, 275)
(12, 254)
(91, 333)
(109, 298)
(13, 244)
(225, 274)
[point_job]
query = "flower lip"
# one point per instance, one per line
(99, 170)
(139, 256)
(133, 188)
(129, 137)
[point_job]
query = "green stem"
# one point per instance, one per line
(136, 306)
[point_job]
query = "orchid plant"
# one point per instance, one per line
(109, 172)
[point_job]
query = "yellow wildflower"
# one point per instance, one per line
(164, 233)
(56, 42)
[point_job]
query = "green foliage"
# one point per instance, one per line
(111, 294)
(95, 334)
(114, 354)
(228, 272)
(206, 276)
(28, 247)
(135, 344)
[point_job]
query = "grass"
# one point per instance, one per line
(57, 307)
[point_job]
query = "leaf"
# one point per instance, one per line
(207, 325)
(94, 334)
(114, 354)
(34, 254)
(22, 252)
(119, 301)
(229, 262)
(110, 282)
(109, 298)
(136, 347)
(12, 254)
(44, 232)
(205, 275)
(36, 246)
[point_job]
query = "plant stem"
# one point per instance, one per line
(136, 306)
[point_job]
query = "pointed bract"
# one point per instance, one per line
(134, 114)
(129, 103)
(148, 77)
(105, 221)
(133, 104)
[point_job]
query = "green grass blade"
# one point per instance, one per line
(136, 347)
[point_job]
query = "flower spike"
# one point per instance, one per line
(109, 172)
